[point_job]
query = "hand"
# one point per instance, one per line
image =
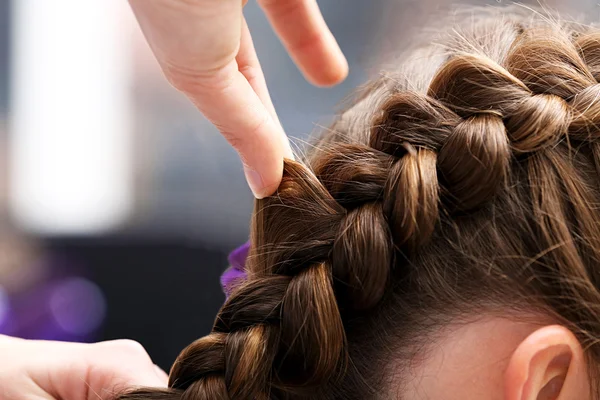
(205, 50)
(72, 371)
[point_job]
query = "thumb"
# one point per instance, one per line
(78, 371)
(162, 375)
(106, 370)
(122, 363)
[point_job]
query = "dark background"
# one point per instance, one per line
(162, 293)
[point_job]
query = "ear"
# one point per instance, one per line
(548, 365)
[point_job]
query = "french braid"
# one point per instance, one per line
(325, 246)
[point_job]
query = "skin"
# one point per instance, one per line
(41, 370)
(205, 50)
(495, 358)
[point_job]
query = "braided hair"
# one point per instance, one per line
(477, 190)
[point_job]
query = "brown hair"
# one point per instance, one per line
(465, 182)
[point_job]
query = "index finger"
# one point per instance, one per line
(229, 101)
(304, 33)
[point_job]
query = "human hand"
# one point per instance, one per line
(45, 370)
(205, 50)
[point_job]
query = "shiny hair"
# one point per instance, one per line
(464, 180)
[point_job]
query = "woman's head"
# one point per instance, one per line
(442, 241)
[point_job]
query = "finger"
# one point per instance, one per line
(230, 103)
(203, 65)
(118, 366)
(162, 375)
(84, 371)
(304, 33)
(249, 66)
(196, 35)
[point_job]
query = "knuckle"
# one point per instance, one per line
(191, 81)
(234, 141)
(129, 347)
(237, 144)
(257, 128)
(254, 132)
(251, 73)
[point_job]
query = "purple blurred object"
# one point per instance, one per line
(78, 306)
(236, 273)
(64, 306)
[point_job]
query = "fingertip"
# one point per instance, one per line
(265, 190)
(325, 66)
(269, 190)
(288, 153)
(263, 186)
(338, 67)
(334, 75)
(343, 71)
(255, 182)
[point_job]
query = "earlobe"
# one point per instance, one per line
(548, 365)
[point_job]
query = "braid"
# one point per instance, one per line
(325, 244)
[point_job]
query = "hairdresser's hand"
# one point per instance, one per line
(205, 50)
(68, 371)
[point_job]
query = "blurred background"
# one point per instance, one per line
(118, 202)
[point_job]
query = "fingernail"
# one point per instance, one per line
(255, 182)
